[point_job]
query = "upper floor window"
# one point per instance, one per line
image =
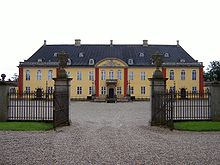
(171, 75)
(91, 76)
(69, 61)
(183, 75)
(28, 75)
(103, 75)
(50, 75)
(79, 75)
(193, 74)
(111, 74)
(119, 75)
(143, 76)
(131, 75)
(91, 61)
(39, 75)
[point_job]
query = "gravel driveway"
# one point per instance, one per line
(105, 133)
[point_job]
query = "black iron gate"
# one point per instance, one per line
(61, 109)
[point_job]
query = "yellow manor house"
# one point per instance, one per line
(111, 70)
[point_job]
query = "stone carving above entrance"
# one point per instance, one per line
(111, 63)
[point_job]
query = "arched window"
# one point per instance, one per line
(28, 75)
(171, 75)
(193, 74)
(39, 75)
(183, 75)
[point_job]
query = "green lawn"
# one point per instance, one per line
(197, 125)
(25, 126)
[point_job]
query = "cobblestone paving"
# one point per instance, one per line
(103, 133)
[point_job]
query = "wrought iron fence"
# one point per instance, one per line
(31, 106)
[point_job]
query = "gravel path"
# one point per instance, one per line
(103, 133)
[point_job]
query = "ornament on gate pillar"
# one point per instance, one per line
(62, 59)
(157, 60)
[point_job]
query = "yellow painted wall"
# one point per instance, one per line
(188, 83)
(137, 82)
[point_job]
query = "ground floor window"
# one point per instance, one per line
(194, 90)
(131, 90)
(49, 90)
(79, 90)
(118, 90)
(90, 90)
(103, 90)
(143, 90)
(27, 89)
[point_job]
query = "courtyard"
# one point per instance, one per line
(108, 133)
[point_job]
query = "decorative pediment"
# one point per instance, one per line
(113, 62)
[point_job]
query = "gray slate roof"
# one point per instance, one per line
(123, 52)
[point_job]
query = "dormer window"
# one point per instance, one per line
(182, 60)
(141, 54)
(39, 60)
(166, 55)
(55, 54)
(81, 54)
(69, 61)
(91, 62)
(130, 61)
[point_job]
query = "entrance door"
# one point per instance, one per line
(111, 93)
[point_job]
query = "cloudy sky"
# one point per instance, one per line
(26, 23)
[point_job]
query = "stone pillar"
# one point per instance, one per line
(4, 89)
(158, 85)
(215, 103)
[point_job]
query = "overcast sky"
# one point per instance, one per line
(26, 23)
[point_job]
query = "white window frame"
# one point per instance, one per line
(131, 90)
(50, 74)
(27, 89)
(111, 74)
(79, 75)
(119, 74)
(79, 90)
(193, 74)
(119, 91)
(39, 75)
(143, 76)
(103, 90)
(183, 75)
(103, 75)
(143, 90)
(91, 76)
(172, 75)
(90, 90)
(194, 89)
(131, 75)
(28, 75)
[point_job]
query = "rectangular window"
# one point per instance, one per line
(91, 76)
(79, 90)
(118, 90)
(79, 76)
(111, 74)
(131, 90)
(131, 75)
(39, 75)
(27, 89)
(119, 75)
(194, 75)
(194, 90)
(28, 75)
(50, 75)
(49, 90)
(171, 75)
(143, 76)
(90, 90)
(103, 75)
(103, 90)
(143, 90)
(183, 75)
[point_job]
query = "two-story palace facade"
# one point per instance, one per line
(112, 69)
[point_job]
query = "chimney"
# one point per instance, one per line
(45, 42)
(111, 42)
(77, 42)
(177, 43)
(145, 43)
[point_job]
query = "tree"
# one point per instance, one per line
(213, 71)
(14, 77)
